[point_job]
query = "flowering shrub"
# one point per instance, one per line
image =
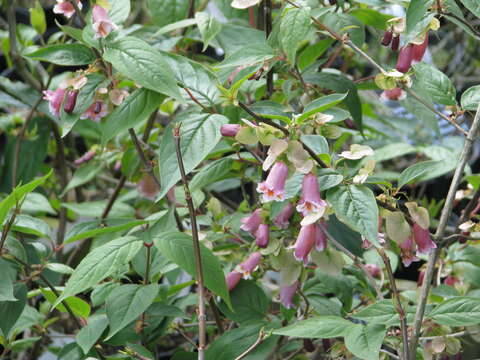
(246, 179)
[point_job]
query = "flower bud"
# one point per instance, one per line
(387, 38)
(262, 236)
(70, 102)
(286, 294)
(395, 43)
(405, 59)
(418, 51)
(350, 124)
(373, 270)
(229, 130)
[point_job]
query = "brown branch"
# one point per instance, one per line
(8, 226)
(397, 303)
(216, 314)
(202, 318)
(439, 234)
(261, 337)
(143, 159)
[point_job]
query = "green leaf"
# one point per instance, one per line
(83, 175)
(471, 98)
(473, 6)
(391, 151)
(320, 104)
(178, 247)
(417, 9)
(199, 133)
(144, 64)
(37, 203)
(127, 302)
(89, 334)
(6, 281)
(313, 52)
(11, 310)
(199, 80)
(208, 27)
(417, 171)
(17, 195)
(436, 84)
(88, 229)
(318, 327)
(79, 307)
(317, 143)
(31, 225)
(294, 28)
(249, 55)
(382, 312)
(59, 268)
(101, 263)
(164, 12)
(371, 17)
(457, 311)
(37, 18)
(136, 108)
(356, 207)
(119, 11)
(249, 303)
(328, 178)
(66, 54)
(96, 209)
(218, 170)
(365, 341)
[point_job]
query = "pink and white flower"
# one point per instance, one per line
(311, 205)
(422, 239)
(101, 22)
(282, 219)
(55, 99)
(394, 94)
(273, 188)
(66, 8)
(96, 111)
(232, 279)
(252, 222)
(408, 250)
(250, 265)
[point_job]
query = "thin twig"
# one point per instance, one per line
(202, 318)
(453, 335)
(195, 100)
(444, 217)
(216, 314)
(392, 355)
(8, 226)
(397, 303)
(141, 154)
(261, 337)
(267, 13)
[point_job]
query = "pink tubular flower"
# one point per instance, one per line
(282, 219)
(311, 202)
(89, 155)
(418, 51)
(252, 222)
(286, 294)
(408, 249)
(451, 280)
(273, 188)
(249, 265)
(71, 101)
(394, 94)
(305, 242)
(423, 239)
(96, 111)
(262, 236)
(405, 58)
(233, 278)
(66, 8)
(320, 237)
(395, 42)
(101, 22)
(229, 130)
(373, 270)
(55, 99)
(387, 38)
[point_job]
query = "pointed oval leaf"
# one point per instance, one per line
(318, 327)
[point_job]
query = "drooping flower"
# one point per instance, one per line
(305, 242)
(282, 219)
(357, 152)
(66, 8)
(229, 130)
(405, 58)
(422, 239)
(249, 265)
(395, 43)
(320, 237)
(70, 101)
(408, 250)
(286, 294)
(387, 37)
(273, 188)
(96, 111)
(252, 222)
(311, 203)
(232, 279)
(243, 4)
(89, 155)
(373, 270)
(418, 50)
(148, 187)
(55, 99)
(394, 94)
(262, 236)
(451, 280)
(102, 24)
